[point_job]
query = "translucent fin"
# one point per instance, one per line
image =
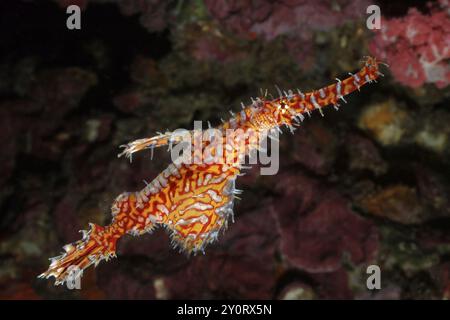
(99, 243)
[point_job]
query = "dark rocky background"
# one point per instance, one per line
(366, 185)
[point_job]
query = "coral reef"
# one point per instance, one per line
(269, 19)
(368, 184)
(318, 230)
(297, 21)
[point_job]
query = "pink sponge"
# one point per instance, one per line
(417, 46)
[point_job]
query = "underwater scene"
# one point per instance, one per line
(225, 149)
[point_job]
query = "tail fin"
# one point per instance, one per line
(99, 243)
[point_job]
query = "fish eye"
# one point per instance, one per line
(283, 106)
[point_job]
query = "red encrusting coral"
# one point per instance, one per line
(318, 229)
(298, 20)
(417, 46)
(242, 265)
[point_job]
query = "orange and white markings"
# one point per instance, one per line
(194, 201)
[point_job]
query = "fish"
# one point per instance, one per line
(193, 199)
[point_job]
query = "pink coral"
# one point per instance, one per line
(416, 46)
(268, 19)
(318, 228)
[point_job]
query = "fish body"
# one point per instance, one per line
(193, 197)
